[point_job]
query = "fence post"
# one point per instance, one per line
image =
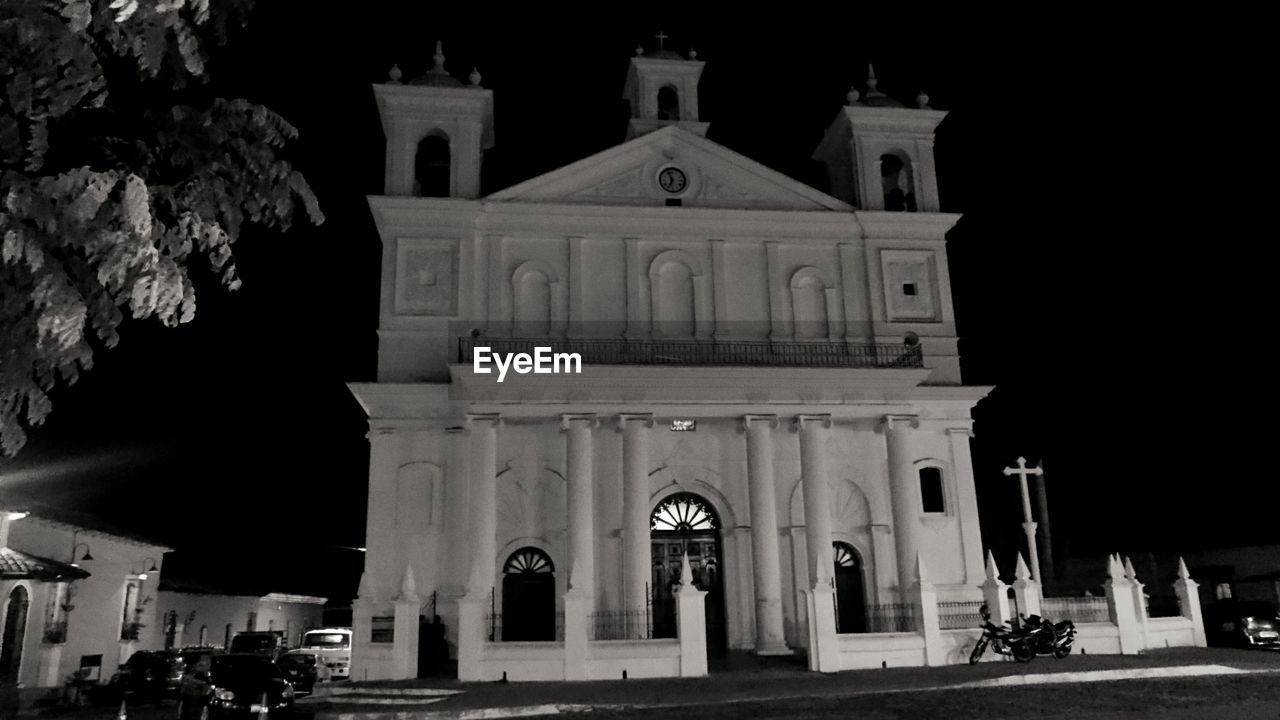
(924, 602)
(691, 624)
(1139, 602)
(405, 637)
(472, 631)
(1025, 589)
(1188, 592)
(1120, 604)
(995, 593)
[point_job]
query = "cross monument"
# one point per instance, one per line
(1028, 525)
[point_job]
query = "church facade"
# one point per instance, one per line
(769, 404)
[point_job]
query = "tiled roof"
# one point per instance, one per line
(15, 565)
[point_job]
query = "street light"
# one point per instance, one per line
(86, 556)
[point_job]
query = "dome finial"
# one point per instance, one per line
(439, 56)
(394, 74)
(693, 54)
(922, 100)
(639, 49)
(475, 76)
(851, 97)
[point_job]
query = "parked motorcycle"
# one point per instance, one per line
(1002, 640)
(1048, 638)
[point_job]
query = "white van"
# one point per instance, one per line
(334, 646)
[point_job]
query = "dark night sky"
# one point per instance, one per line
(1108, 274)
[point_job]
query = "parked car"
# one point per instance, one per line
(191, 656)
(148, 675)
(303, 669)
(269, 643)
(231, 684)
(1243, 624)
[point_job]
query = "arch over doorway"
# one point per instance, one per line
(528, 596)
(15, 633)
(851, 604)
(686, 523)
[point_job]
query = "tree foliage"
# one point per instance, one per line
(120, 178)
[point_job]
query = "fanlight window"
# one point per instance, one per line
(528, 560)
(684, 512)
(844, 555)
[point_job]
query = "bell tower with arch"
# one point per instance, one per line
(437, 130)
(662, 87)
(879, 152)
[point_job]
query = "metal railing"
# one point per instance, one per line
(621, 625)
(891, 617)
(1075, 609)
(526, 628)
(1163, 607)
(959, 615)
(729, 353)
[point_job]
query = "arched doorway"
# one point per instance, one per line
(528, 596)
(686, 523)
(15, 633)
(851, 608)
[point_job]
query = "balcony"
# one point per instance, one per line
(726, 353)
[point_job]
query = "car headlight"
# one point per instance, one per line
(225, 695)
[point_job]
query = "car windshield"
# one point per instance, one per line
(326, 640)
(303, 660)
(232, 669)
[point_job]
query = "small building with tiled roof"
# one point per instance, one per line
(75, 598)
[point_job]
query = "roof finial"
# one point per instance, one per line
(661, 37)
(693, 54)
(639, 49)
(394, 74)
(439, 56)
(922, 100)
(475, 76)
(871, 81)
(851, 97)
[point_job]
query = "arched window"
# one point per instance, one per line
(15, 632)
(432, 177)
(932, 496)
(668, 103)
(204, 635)
(896, 182)
(674, 299)
(809, 304)
(528, 597)
(533, 304)
(684, 512)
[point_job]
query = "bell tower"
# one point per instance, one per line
(662, 87)
(879, 152)
(437, 130)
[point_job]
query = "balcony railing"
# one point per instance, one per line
(728, 353)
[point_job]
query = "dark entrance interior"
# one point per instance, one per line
(528, 596)
(682, 523)
(15, 630)
(851, 615)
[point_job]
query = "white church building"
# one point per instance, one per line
(766, 449)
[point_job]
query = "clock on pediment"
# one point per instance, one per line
(672, 179)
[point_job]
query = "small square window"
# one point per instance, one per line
(909, 289)
(674, 202)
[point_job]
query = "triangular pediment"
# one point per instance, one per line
(713, 177)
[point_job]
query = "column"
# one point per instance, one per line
(581, 508)
(484, 502)
(766, 570)
(824, 649)
(636, 550)
(382, 556)
(1120, 603)
(1188, 593)
(905, 493)
(967, 500)
(817, 496)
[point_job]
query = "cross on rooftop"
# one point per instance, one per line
(661, 38)
(1022, 470)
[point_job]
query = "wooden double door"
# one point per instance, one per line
(707, 565)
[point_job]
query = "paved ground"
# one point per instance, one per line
(748, 688)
